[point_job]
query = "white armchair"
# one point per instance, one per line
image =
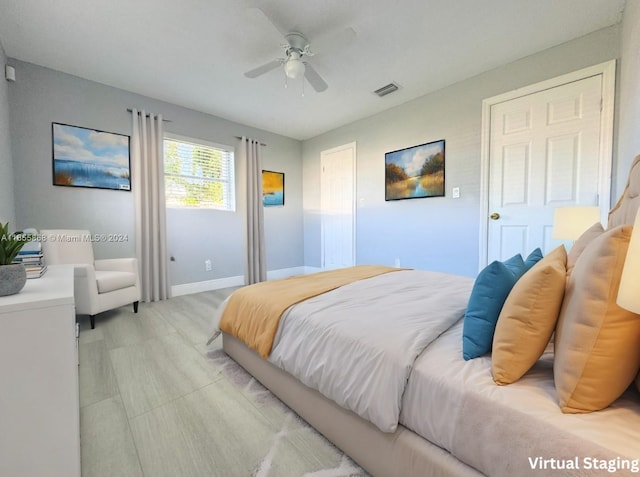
(99, 285)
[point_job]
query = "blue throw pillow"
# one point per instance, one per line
(490, 290)
(533, 258)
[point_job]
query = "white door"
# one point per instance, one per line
(337, 203)
(544, 153)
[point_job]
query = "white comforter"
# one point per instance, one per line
(357, 344)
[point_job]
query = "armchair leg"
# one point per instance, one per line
(92, 318)
(135, 307)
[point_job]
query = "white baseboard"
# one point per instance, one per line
(308, 270)
(285, 272)
(208, 285)
(237, 281)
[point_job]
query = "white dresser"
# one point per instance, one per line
(39, 408)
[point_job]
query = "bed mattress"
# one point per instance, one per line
(516, 429)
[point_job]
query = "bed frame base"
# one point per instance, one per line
(399, 454)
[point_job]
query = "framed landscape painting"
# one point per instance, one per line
(272, 188)
(415, 172)
(90, 158)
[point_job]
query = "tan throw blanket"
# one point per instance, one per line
(253, 313)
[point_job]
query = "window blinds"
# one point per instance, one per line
(198, 175)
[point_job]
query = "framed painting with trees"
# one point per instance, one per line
(415, 172)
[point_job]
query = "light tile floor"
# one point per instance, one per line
(155, 401)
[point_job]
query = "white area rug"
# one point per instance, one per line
(293, 434)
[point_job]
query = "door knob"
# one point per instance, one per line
(494, 216)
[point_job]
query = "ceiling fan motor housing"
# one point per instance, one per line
(297, 41)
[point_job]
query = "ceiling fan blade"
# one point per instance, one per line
(266, 23)
(314, 79)
(334, 41)
(260, 70)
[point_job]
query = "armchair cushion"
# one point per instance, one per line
(110, 280)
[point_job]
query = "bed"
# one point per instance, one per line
(400, 399)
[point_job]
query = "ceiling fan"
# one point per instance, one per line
(297, 50)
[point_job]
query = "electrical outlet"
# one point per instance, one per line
(455, 193)
(207, 265)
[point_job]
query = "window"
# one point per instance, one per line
(198, 174)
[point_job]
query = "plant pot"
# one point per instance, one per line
(12, 278)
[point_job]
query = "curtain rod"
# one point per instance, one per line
(148, 114)
(240, 137)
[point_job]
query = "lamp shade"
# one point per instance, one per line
(629, 291)
(569, 223)
(294, 68)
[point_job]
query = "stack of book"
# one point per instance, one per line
(33, 262)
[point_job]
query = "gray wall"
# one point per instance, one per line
(629, 91)
(7, 211)
(42, 96)
(435, 233)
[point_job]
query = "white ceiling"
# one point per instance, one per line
(194, 52)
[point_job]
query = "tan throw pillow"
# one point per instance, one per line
(597, 343)
(578, 247)
(528, 318)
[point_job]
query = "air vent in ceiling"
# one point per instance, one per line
(387, 89)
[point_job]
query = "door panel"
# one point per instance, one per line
(511, 236)
(563, 159)
(515, 175)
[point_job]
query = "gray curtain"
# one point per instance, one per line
(148, 187)
(256, 268)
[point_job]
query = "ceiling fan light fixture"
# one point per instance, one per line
(294, 68)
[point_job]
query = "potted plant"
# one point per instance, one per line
(13, 276)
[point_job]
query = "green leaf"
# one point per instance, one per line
(10, 245)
